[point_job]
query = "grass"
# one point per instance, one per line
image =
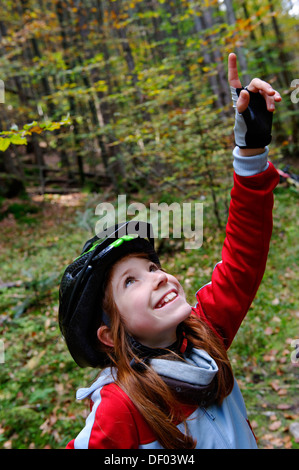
(38, 379)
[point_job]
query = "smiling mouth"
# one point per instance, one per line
(167, 299)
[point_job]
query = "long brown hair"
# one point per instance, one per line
(149, 393)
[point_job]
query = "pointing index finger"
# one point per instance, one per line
(233, 77)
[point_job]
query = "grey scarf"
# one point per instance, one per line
(193, 380)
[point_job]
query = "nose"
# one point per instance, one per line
(159, 278)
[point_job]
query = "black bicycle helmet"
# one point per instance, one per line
(82, 287)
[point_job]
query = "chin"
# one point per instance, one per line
(188, 310)
(185, 313)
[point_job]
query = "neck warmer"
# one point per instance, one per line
(193, 379)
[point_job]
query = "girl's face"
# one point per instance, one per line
(151, 302)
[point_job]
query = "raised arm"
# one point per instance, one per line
(224, 302)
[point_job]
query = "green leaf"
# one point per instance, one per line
(18, 140)
(29, 125)
(4, 144)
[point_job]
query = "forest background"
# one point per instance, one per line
(100, 98)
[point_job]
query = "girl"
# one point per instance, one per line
(166, 380)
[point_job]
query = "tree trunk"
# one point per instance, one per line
(286, 76)
(231, 19)
(207, 60)
(11, 178)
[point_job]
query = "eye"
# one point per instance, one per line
(153, 267)
(128, 281)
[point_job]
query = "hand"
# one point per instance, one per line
(256, 85)
(254, 110)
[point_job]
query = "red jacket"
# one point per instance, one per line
(224, 302)
(115, 423)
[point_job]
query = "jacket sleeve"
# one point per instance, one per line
(114, 423)
(224, 302)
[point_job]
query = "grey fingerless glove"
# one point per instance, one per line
(253, 126)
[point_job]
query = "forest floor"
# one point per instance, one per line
(38, 378)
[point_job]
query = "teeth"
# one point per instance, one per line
(167, 299)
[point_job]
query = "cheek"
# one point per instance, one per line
(139, 326)
(178, 285)
(133, 310)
